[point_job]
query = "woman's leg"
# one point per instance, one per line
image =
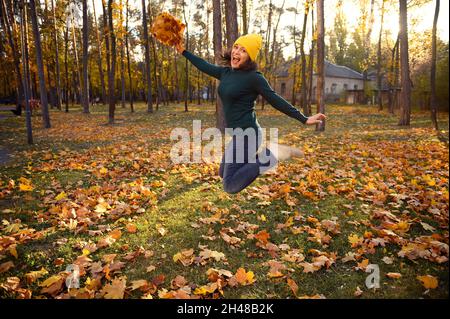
(237, 176)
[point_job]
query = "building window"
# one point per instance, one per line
(326, 90)
(333, 88)
(355, 86)
(283, 88)
(345, 86)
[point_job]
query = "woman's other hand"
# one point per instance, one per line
(315, 119)
(180, 47)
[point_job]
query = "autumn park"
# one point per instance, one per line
(111, 186)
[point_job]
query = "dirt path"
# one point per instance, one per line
(4, 157)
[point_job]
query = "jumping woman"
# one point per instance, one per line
(240, 85)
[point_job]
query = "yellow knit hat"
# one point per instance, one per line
(252, 43)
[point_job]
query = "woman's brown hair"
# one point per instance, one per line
(248, 65)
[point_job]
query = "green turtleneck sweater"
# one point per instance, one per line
(238, 91)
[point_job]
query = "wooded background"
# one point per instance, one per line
(66, 52)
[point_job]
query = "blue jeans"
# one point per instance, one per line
(241, 164)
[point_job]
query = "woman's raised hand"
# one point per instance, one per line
(316, 118)
(180, 47)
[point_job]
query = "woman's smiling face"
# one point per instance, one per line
(238, 56)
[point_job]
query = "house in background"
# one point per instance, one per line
(342, 84)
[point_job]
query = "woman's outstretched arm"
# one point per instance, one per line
(204, 66)
(263, 87)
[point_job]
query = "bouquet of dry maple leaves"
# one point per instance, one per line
(167, 29)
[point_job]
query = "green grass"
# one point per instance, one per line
(138, 137)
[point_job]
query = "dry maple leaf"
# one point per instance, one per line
(393, 275)
(115, 290)
(429, 282)
(11, 284)
(34, 275)
(139, 284)
(293, 285)
(262, 236)
(275, 269)
(53, 285)
(178, 282)
(308, 267)
(243, 277)
(6, 266)
(167, 29)
(355, 240)
(131, 228)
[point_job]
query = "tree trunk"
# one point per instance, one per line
(367, 46)
(294, 77)
(217, 27)
(320, 63)
(433, 103)
(7, 25)
(106, 36)
(244, 17)
(272, 64)
(99, 56)
(85, 59)
(66, 66)
(23, 20)
(186, 66)
(152, 41)
(147, 59)
(77, 63)
(40, 65)
(112, 74)
(58, 71)
(405, 98)
(311, 64)
(393, 81)
(379, 96)
(303, 57)
(231, 22)
(266, 46)
(122, 55)
(128, 58)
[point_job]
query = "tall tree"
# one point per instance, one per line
(311, 61)
(66, 66)
(244, 17)
(320, 63)
(147, 59)
(295, 64)
(217, 28)
(272, 64)
(303, 57)
(127, 45)
(85, 59)
(107, 40)
(112, 74)
(121, 33)
(405, 96)
(99, 55)
(23, 21)
(433, 68)
(58, 71)
(231, 22)
(186, 66)
(40, 65)
(8, 25)
(337, 52)
(379, 96)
